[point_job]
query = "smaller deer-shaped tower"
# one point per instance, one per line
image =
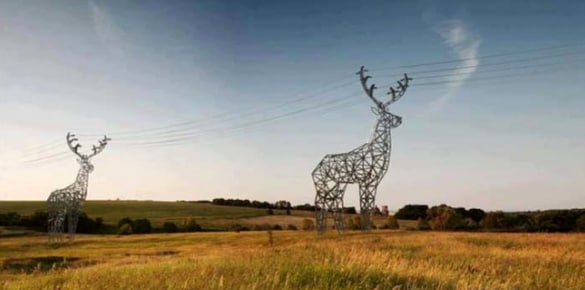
(365, 165)
(68, 201)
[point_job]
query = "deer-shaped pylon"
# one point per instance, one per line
(67, 202)
(365, 165)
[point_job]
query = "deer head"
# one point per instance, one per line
(83, 158)
(395, 94)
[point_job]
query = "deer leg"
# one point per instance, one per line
(56, 212)
(325, 199)
(73, 219)
(367, 203)
(338, 208)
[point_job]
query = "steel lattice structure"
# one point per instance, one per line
(68, 201)
(365, 165)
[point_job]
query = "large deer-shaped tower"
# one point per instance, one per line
(365, 165)
(68, 201)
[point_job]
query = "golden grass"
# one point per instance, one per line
(298, 260)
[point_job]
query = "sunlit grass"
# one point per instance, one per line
(299, 260)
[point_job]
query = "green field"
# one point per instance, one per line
(157, 212)
(209, 216)
(297, 260)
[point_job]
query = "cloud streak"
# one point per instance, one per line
(465, 45)
(107, 31)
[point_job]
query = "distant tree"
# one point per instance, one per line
(444, 217)
(85, 224)
(494, 221)
(38, 220)
(125, 220)
(191, 225)
(412, 212)
(288, 211)
(269, 211)
(142, 226)
(277, 227)
(306, 207)
(10, 219)
(170, 227)
(476, 214)
(239, 228)
(349, 210)
(282, 204)
(99, 223)
(580, 223)
(291, 227)
(125, 229)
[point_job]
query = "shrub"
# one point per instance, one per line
(444, 217)
(125, 229)
(277, 227)
(190, 225)
(9, 219)
(99, 222)
(270, 211)
(39, 219)
(263, 227)
(170, 227)
(291, 227)
(239, 228)
(308, 225)
(142, 226)
(85, 224)
(412, 212)
(581, 223)
(125, 220)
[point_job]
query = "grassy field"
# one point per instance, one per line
(156, 211)
(208, 215)
(298, 260)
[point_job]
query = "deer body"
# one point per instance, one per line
(365, 165)
(67, 202)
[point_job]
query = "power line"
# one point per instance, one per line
(187, 133)
(191, 135)
(249, 111)
(496, 55)
(415, 73)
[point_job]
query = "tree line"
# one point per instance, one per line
(281, 204)
(444, 217)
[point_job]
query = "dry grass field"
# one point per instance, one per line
(297, 260)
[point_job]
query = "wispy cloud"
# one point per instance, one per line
(465, 45)
(111, 36)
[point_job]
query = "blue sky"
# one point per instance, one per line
(496, 136)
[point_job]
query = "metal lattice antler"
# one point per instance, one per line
(396, 93)
(369, 90)
(98, 149)
(75, 148)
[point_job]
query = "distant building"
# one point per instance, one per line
(385, 211)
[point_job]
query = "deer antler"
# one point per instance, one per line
(369, 91)
(75, 148)
(398, 92)
(98, 149)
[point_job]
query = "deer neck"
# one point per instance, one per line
(380, 138)
(81, 183)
